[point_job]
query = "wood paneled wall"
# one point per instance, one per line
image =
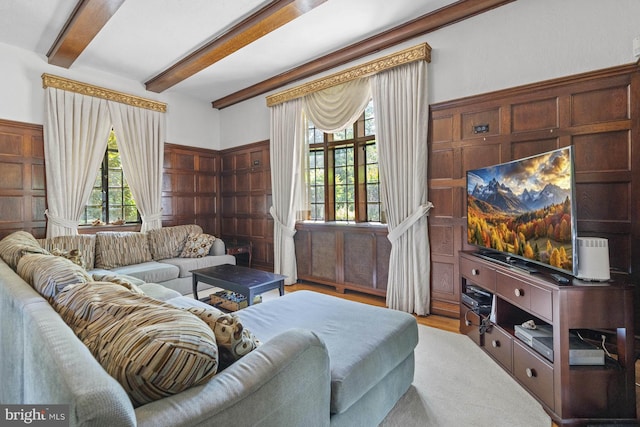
(22, 179)
(246, 198)
(190, 187)
(598, 113)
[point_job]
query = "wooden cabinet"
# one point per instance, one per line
(571, 394)
(346, 256)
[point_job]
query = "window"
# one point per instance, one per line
(343, 172)
(111, 198)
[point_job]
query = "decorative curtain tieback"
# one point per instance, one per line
(59, 221)
(152, 217)
(289, 232)
(408, 222)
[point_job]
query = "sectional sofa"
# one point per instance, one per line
(122, 351)
(156, 256)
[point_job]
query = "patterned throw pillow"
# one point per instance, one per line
(50, 274)
(151, 348)
(117, 249)
(16, 244)
(234, 341)
(168, 242)
(197, 246)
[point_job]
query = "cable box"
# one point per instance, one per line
(478, 299)
(527, 335)
(580, 352)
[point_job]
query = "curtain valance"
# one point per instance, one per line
(335, 108)
(99, 92)
(421, 52)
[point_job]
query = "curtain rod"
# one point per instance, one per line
(49, 80)
(416, 53)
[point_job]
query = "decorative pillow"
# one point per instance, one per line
(84, 243)
(128, 282)
(233, 339)
(168, 242)
(117, 249)
(152, 349)
(16, 244)
(50, 274)
(197, 246)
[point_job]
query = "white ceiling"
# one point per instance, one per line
(144, 37)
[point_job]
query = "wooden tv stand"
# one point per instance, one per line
(570, 394)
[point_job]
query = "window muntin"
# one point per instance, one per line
(343, 174)
(111, 197)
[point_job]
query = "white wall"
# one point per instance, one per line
(522, 42)
(189, 122)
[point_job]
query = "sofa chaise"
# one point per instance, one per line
(320, 360)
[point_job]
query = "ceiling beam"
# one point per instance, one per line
(432, 21)
(261, 23)
(84, 23)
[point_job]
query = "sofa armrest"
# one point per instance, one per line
(284, 382)
(218, 247)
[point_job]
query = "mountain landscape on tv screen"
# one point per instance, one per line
(524, 208)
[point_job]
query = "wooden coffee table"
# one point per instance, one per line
(246, 281)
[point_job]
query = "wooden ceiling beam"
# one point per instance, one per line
(432, 21)
(266, 20)
(84, 23)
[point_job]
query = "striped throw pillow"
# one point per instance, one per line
(151, 348)
(16, 244)
(50, 274)
(168, 242)
(85, 243)
(117, 249)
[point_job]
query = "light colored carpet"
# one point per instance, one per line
(457, 384)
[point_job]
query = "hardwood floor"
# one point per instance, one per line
(440, 322)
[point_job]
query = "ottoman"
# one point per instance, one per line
(370, 349)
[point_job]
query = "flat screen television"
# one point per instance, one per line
(523, 211)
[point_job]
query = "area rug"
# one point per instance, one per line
(457, 384)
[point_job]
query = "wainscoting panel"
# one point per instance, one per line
(189, 190)
(22, 179)
(246, 199)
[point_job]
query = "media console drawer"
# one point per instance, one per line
(478, 273)
(499, 344)
(533, 372)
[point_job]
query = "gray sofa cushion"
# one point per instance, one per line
(358, 360)
(152, 271)
(187, 264)
(159, 292)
